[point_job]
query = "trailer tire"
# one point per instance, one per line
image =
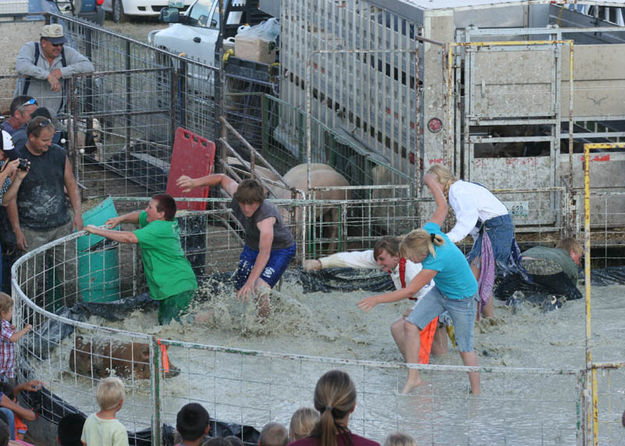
(118, 11)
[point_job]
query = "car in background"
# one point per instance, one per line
(121, 9)
(89, 10)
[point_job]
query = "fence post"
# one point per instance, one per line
(155, 377)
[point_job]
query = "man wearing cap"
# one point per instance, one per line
(43, 64)
(21, 110)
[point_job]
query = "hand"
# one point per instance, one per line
(91, 229)
(11, 167)
(312, 265)
(78, 223)
(27, 328)
(112, 223)
(20, 240)
(246, 290)
(185, 183)
(21, 173)
(368, 303)
(56, 73)
(33, 386)
(55, 85)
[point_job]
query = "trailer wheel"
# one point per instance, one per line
(118, 11)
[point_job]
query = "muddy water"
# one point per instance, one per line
(513, 409)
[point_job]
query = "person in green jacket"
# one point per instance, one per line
(168, 273)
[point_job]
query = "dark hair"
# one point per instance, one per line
(166, 203)
(4, 434)
(41, 111)
(70, 429)
(18, 102)
(192, 421)
(335, 398)
(249, 191)
(388, 244)
(234, 440)
(273, 434)
(37, 124)
(7, 388)
(217, 441)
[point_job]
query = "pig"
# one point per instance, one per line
(100, 358)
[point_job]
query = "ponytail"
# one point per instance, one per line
(335, 398)
(419, 243)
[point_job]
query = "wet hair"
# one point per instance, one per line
(18, 102)
(36, 125)
(110, 393)
(273, 434)
(302, 423)
(217, 441)
(234, 440)
(70, 429)
(388, 244)
(4, 433)
(166, 203)
(249, 191)
(419, 243)
(6, 302)
(192, 421)
(570, 244)
(399, 439)
(335, 398)
(444, 176)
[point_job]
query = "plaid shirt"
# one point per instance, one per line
(7, 351)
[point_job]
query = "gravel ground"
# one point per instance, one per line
(137, 29)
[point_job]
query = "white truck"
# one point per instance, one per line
(196, 33)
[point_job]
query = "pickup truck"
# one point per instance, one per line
(196, 32)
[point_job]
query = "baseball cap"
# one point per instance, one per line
(53, 33)
(7, 146)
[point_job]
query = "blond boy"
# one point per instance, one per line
(102, 428)
(8, 337)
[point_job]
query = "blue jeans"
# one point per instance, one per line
(462, 312)
(10, 417)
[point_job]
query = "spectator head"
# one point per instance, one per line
(162, 203)
(70, 430)
(192, 422)
(573, 247)
(6, 306)
(399, 439)
(4, 434)
(52, 40)
(21, 110)
(8, 149)
(335, 400)
(273, 434)
(110, 393)
(233, 440)
(302, 423)
(39, 125)
(444, 176)
(41, 111)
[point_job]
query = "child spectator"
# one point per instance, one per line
(273, 434)
(70, 430)
(335, 399)
(302, 423)
(399, 439)
(193, 424)
(234, 440)
(8, 336)
(102, 428)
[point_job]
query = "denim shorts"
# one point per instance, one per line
(462, 312)
(278, 262)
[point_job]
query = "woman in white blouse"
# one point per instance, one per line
(477, 212)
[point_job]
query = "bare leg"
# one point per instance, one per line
(470, 359)
(399, 334)
(439, 345)
(263, 291)
(487, 310)
(412, 342)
